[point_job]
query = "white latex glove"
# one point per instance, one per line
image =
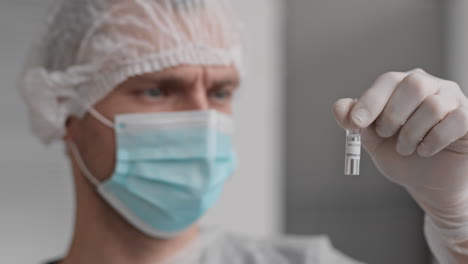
(414, 126)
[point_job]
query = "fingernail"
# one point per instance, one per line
(383, 131)
(424, 150)
(360, 117)
(403, 149)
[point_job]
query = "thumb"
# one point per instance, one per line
(341, 110)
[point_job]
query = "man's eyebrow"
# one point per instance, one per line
(177, 79)
(161, 78)
(230, 81)
(166, 79)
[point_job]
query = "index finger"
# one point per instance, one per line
(373, 101)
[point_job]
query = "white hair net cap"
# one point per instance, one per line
(91, 46)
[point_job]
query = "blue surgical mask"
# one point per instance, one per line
(170, 168)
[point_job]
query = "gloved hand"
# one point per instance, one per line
(414, 126)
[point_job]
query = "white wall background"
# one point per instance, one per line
(36, 194)
(456, 41)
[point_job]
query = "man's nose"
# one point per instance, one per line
(197, 99)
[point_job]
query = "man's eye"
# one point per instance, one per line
(152, 93)
(221, 95)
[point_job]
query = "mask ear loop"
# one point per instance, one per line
(74, 149)
(76, 152)
(82, 165)
(100, 117)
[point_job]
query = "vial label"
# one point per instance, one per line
(353, 150)
(353, 147)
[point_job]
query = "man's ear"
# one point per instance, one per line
(70, 129)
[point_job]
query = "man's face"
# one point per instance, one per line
(182, 88)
